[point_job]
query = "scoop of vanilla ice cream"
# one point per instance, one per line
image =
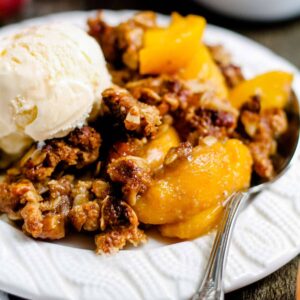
(50, 78)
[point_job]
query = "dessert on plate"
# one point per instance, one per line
(130, 126)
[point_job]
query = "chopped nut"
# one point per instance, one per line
(137, 117)
(79, 148)
(183, 151)
(208, 141)
(133, 172)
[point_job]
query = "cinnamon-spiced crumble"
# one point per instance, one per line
(103, 177)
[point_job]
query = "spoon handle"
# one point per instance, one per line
(212, 284)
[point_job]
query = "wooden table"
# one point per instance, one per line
(283, 38)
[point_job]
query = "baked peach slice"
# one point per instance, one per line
(273, 88)
(166, 50)
(203, 67)
(197, 183)
(195, 226)
(178, 49)
(156, 150)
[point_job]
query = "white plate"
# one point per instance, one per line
(267, 234)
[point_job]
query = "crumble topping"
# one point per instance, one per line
(90, 180)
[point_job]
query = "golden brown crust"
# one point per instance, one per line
(135, 117)
(124, 148)
(80, 148)
(8, 201)
(116, 239)
(133, 173)
(167, 93)
(50, 227)
(121, 44)
(86, 216)
(42, 219)
(206, 116)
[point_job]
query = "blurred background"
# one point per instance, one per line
(273, 23)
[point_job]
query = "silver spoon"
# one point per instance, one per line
(211, 287)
